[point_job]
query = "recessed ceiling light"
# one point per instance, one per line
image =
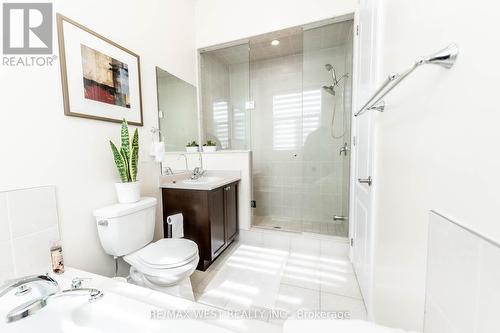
(275, 42)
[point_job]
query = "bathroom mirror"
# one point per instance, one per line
(177, 111)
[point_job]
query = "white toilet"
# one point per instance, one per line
(126, 230)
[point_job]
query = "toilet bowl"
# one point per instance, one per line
(165, 265)
(126, 230)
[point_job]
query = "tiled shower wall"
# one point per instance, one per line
(28, 226)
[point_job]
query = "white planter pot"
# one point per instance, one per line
(128, 192)
(209, 149)
(192, 149)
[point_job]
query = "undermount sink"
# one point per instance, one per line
(202, 180)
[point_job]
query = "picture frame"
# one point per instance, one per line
(101, 80)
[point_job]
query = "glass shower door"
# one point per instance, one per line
(326, 109)
(277, 143)
(300, 128)
(225, 93)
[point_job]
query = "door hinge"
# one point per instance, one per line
(354, 140)
(352, 242)
(357, 30)
(253, 204)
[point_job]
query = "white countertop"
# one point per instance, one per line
(210, 180)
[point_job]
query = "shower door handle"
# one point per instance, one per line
(365, 181)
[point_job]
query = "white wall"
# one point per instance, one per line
(436, 144)
(42, 146)
(221, 21)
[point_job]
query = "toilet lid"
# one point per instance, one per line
(168, 252)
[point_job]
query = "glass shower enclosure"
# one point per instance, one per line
(286, 96)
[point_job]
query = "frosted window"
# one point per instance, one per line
(295, 116)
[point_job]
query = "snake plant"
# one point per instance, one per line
(126, 158)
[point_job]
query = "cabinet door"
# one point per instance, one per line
(216, 213)
(231, 210)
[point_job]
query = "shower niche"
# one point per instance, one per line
(286, 96)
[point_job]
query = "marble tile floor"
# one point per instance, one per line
(281, 273)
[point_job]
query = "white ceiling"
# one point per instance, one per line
(292, 41)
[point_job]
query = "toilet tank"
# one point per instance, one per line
(125, 228)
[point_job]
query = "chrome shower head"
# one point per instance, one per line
(328, 67)
(329, 89)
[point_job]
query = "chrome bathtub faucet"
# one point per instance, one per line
(32, 306)
(21, 284)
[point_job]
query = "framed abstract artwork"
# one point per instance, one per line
(100, 79)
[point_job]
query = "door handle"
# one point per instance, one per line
(227, 188)
(365, 181)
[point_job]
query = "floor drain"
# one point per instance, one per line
(276, 227)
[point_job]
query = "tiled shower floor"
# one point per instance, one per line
(272, 270)
(339, 229)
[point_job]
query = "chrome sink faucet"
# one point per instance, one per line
(167, 171)
(185, 160)
(198, 171)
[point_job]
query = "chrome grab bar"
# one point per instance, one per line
(445, 58)
(365, 107)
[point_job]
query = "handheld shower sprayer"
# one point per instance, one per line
(331, 90)
(330, 69)
(336, 82)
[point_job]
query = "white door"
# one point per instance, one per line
(362, 193)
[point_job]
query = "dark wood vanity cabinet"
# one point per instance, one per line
(210, 218)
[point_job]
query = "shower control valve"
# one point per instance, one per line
(344, 149)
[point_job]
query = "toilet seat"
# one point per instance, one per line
(165, 257)
(168, 253)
